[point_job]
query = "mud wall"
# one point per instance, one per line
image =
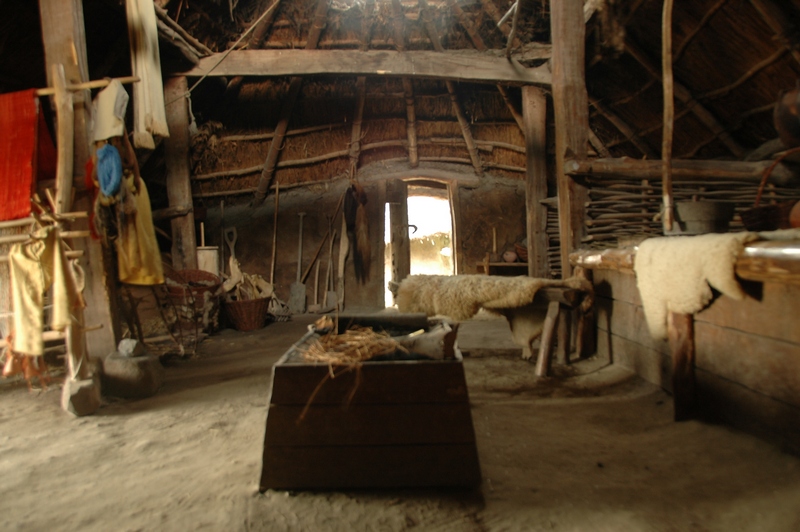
(498, 204)
(495, 203)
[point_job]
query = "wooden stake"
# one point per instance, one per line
(669, 115)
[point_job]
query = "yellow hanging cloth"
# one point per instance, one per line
(139, 259)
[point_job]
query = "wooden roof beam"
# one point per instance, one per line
(256, 40)
(459, 65)
(490, 8)
(361, 89)
(776, 18)
(685, 96)
(682, 170)
(398, 24)
(477, 41)
(624, 128)
(451, 90)
(267, 174)
(700, 25)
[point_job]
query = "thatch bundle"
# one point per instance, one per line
(352, 347)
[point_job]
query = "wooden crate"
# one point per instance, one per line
(408, 424)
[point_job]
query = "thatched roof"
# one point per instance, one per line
(732, 58)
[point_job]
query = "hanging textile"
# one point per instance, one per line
(35, 266)
(25, 151)
(110, 105)
(149, 114)
(138, 256)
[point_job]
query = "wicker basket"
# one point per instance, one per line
(187, 290)
(249, 314)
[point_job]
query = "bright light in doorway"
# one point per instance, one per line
(430, 216)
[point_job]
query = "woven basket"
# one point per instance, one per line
(249, 314)
(187, 290)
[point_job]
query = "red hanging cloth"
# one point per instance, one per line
(26, 152)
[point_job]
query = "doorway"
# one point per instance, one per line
(430, 233)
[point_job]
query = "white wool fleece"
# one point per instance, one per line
(674, 273)
(461, 296)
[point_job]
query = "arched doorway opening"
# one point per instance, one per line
(430, 232)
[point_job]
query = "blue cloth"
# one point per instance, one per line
(109, 169)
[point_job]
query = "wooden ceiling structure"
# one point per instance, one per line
(261, 67)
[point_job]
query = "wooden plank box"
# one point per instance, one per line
(388, 424)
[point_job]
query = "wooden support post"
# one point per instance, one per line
(681, 344)
(176, 160)
(546, 341)
(534, 109)
(397, 197)
(65, 44)
(570, 101)
(455, 218)
(355, 135)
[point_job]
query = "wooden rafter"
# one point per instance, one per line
(682, 170)
(623, 127)
(512, 34)
(490, 8)
(722, 91)
(635, 5)
(685, 96)
(408, 88)
(785, 31)
(700, 25)
(598, 145)
(255, 42)
(451, 90)
(480, 45)
(267, 174)
(361, 89)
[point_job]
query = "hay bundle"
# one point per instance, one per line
(347, 352)
(352, 347)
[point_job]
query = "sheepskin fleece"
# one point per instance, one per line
(674, 273)
(461, 296)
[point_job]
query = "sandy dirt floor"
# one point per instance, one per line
(590, 449)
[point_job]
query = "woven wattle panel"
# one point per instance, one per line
(18, 136)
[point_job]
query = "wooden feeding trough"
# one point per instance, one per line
(385, 424)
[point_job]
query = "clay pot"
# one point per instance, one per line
(510, 256)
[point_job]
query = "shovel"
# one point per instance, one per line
(297, 292)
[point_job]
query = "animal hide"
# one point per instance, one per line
(675, 274)
(461, 296)
(355, 214)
